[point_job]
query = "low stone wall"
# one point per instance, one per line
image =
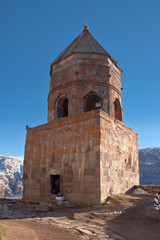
(151, 189)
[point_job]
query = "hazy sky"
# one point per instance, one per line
(34, 32)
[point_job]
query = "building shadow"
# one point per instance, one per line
(139, 222)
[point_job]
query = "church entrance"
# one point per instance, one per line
(55, 184)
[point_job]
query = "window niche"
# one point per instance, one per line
(62, 107)
(92, 102)
(117, 110)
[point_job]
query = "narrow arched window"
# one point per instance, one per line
(62, 107)
(118, 110)
(92, 102)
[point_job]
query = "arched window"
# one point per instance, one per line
(118, 110)
(92, 102)
(62, 107)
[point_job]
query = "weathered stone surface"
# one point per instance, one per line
(114, 169)
(95, 154)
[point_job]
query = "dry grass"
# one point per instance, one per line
(122, 200)
(1, 232)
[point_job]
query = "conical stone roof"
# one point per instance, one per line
(84, 43)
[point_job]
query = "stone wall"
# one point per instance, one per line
(119, 162)
(69, 147)
(95, 156)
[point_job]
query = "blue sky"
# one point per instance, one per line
(34, 32)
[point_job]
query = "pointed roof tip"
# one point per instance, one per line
(84, 43)
(86, 28)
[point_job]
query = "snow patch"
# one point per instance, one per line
(149, 163)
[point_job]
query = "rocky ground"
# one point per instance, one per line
(123, 217)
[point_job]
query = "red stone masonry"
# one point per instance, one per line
(87, 152)
(85, 141)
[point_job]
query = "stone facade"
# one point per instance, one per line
(85, 142)
(80, 74)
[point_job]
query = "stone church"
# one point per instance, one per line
(85, 144)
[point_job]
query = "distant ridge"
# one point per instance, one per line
(149, 164)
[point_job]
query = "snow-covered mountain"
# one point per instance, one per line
(11, 176)
(149, 166)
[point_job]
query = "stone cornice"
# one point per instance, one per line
(79, 82)
(79, 61)
(67, 121)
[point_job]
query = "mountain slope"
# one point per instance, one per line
(149, 165)
(11, 176)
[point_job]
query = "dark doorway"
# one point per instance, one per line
(55, 184)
